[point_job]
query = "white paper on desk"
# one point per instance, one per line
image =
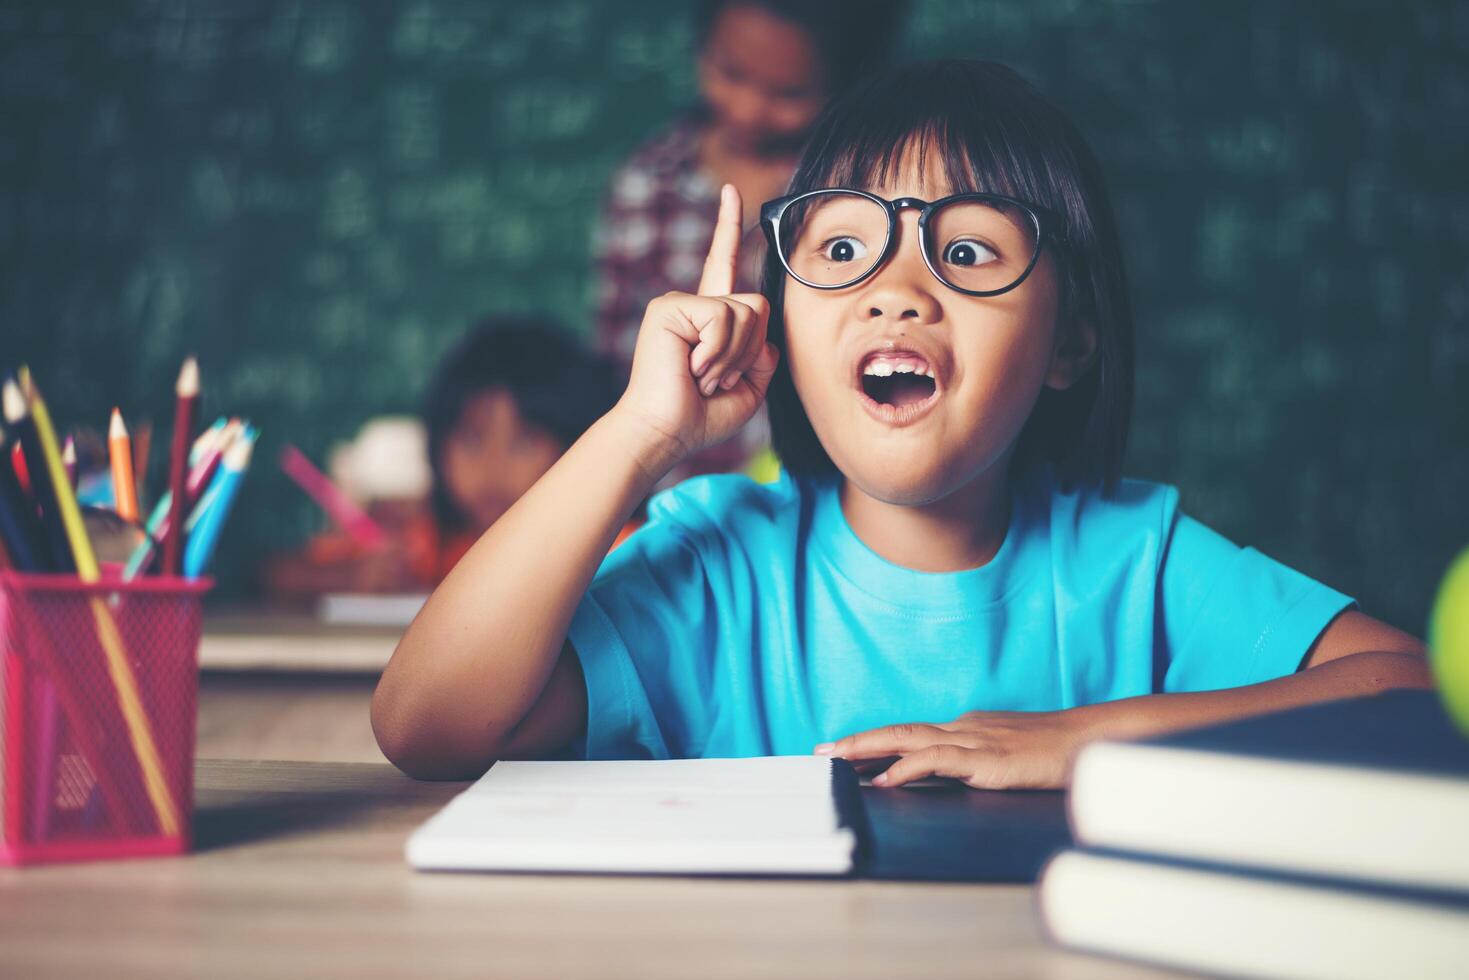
(365, 609)
(773, 815)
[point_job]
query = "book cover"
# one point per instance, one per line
(1374, 789)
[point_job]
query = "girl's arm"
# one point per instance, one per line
(476, 658)
(484, 670)
(1355, 655)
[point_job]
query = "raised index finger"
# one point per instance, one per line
(724, 250)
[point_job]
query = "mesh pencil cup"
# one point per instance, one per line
(98, 694)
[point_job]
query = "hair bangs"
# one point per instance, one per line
(972, 136)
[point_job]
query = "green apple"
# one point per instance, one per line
(1448, 640)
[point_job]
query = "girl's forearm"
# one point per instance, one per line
(478, 655)
(1155, 714)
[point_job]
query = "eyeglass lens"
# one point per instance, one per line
(836, 237)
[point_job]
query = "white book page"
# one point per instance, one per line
(631, 814)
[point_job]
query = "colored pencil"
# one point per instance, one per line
(69, 461)
(203, 477)
(124, 486)
(330, 498)
(203, 461)
(24, 545)
(22, 424)
(18, 466)
(142, 442)
(214, 507)
(24, 549)
(187, 392)
(43, 689)
(119, 667)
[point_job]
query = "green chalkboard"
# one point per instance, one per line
(317, 197)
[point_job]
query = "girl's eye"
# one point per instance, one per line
(844, 249)
(967, 251)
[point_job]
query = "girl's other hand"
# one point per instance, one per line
(984, 749)
(702, 365)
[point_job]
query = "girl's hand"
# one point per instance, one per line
(985, 749)
(701, 366)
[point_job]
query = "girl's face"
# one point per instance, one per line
(493, 456)
(900, 439)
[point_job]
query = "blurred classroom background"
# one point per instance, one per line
(318, 198)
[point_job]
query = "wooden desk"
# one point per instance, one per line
(283, 642)
(299, 871)
(283, 685)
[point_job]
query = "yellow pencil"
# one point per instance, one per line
(140, 732)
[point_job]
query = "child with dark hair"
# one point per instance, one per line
(766, 69)
(505, 402)
(952, 571)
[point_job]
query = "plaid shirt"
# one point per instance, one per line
(655, 232)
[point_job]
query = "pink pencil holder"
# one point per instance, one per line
(98, 708)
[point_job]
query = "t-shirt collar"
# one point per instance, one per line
(930, 593)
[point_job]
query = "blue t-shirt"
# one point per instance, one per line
(751, 620)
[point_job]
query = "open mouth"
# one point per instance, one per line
(898, 384)
(896, 389)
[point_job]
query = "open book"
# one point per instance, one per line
(783, 815)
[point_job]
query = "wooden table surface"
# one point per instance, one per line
(266, 640)
(298, 870)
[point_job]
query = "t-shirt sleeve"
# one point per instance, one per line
(637, 632)
(1231, 616)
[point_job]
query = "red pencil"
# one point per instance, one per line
(22, 473)
(142, 442)
(200, 474)
(187, 391)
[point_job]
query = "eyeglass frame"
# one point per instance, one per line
(1047, 228)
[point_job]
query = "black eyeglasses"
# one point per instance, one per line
(976, 244)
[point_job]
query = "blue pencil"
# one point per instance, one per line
(214, 506)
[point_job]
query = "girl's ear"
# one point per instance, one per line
(1073, 354)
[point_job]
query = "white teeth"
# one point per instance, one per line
(882, 368)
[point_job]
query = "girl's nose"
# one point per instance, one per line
(902, 290)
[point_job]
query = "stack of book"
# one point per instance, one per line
(1330, 840)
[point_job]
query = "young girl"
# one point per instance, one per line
(951, 572)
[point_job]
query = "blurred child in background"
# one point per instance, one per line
(503, 405)
(766, 69)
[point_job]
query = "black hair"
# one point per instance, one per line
(559, 385)
(850, 36)
(994, 133)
